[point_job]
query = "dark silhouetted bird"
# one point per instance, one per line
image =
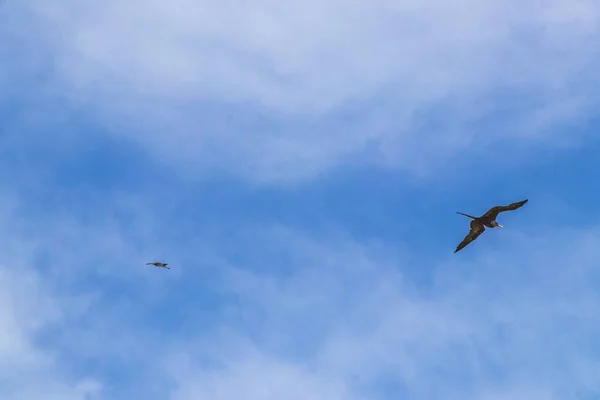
(488, 220)
(159, 264)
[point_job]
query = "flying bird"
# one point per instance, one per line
(488, 220)
(159, 264)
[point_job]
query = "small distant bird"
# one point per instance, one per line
(159, 264)
(488, 219)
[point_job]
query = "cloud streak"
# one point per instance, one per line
(29, 370)
(519, 327)
(396, 84)
(262, 303)
(311, 315)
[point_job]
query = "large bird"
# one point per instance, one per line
(488, 219)
(159, 264)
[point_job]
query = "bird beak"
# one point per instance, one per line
(500, 226)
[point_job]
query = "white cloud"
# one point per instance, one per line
(311, 55)
(256, 377)
(46, 300)
(28, 370)
(314, 317)
(347, 80)
(518, 325)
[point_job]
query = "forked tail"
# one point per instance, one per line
(466, 215)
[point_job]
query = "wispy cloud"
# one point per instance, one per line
(297, 315)
(28, 369)
(262, 303)
(521, 326)
(400, 84)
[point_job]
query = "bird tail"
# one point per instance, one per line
(466, 215)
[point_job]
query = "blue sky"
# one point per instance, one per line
(299, 166)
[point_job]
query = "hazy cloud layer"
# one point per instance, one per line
(263, 302)
(346, 325)
(309, 317)
(29, 370)
(306, 86)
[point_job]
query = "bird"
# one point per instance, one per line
(159, 264)
(488, 220)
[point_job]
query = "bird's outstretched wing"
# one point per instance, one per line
(493, 212)
(477, 229)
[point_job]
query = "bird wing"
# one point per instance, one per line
(493, 212)
(477, 229)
